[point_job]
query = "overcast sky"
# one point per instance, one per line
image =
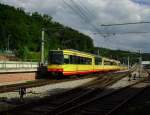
(87, 16)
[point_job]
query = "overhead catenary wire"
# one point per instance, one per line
(126, 33)
(129, 23)
(82, 13)
(76, 11)
(89, 12)
(126, 24)
(73, 9)
(83, 9)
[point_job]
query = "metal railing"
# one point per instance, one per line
(5, 65)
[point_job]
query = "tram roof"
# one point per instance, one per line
(73, 50)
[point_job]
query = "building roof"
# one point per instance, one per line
(145, 62)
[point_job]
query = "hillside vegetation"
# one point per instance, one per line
(123, 55)
(21, 31)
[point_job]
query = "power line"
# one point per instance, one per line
(124, 33)
(89, 14)
(73, 9)
(130, 23)
(83, 14)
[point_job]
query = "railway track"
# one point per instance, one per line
(59, 103)
(41, 82)
(106, 104)
(36, 83)
(139, 105)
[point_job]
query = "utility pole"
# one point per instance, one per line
(8, 43)
(42, 47)
(140, 63)
(98, 52)
(128, 62)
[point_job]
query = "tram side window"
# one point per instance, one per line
(66, 59)
(77, 60)
(88, 61)
(81, 60)
(107, 63)
(70, 59)
(73, 59)
(98, 61)
(85, 61)
(113, 63)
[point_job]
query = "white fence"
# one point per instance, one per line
(17, 66)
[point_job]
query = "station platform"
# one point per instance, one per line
(19, 70)
(14, 78)
(17, 66)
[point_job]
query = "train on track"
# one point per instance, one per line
(72, 62)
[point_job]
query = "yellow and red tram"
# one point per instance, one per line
(72, 62)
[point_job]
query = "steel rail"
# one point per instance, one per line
(125, 101)
(91, 92)
(36, 83)
(99, 97)
(46, 100)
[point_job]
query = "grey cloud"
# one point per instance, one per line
(142, 2)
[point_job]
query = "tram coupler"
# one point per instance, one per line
(41, 71)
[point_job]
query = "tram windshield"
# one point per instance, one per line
(55, 57)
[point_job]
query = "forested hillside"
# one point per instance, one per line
(122, 55)
(20, 32)
(23, 32)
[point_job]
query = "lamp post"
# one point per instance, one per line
(8, 41)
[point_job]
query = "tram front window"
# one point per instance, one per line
(56, 57)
